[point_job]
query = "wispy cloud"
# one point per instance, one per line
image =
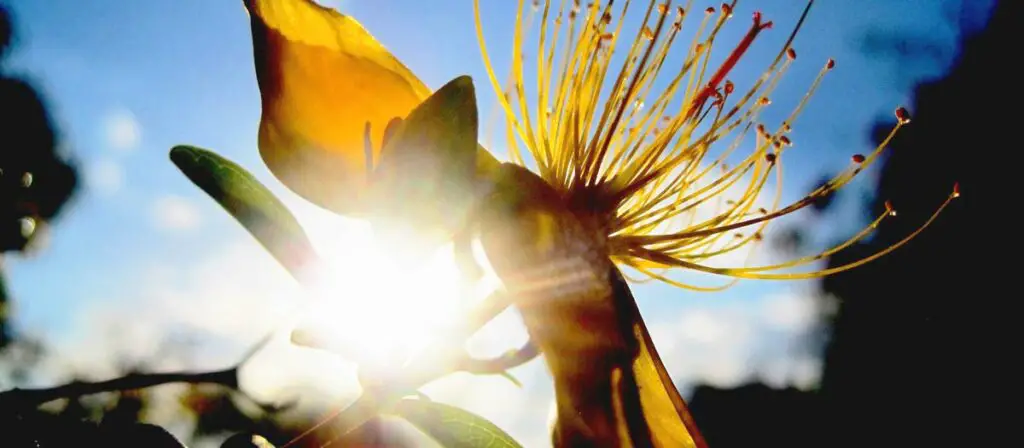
(175, 213)
(758, 339)
(204, 315)
(122, 130)
(104, 176)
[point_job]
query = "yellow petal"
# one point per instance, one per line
(322, 78)
(668, 418)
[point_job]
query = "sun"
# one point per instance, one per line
(368, 306)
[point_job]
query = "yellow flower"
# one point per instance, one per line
(624, 154)
(645, 159)
(625, 157)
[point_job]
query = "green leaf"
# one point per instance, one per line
(249, 202)
(453, 427)
(424, 182)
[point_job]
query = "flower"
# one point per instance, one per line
(622, 158)
(645, 158)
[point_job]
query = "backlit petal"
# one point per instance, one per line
(322, 78)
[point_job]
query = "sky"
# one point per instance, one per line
(141, 254)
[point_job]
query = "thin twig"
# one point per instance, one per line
(503, 363)
(132, 381)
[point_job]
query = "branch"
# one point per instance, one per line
(132, 381)
(503, 363)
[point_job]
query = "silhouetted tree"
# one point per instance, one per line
(905, 342)
(35, 180)
(904, 360)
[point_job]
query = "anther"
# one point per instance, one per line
(889, 209)
(956, 190)
(729, 87)
(791, 53)
(785, 141)
(726, 10)
(663, 8)
(770, 157)
(710, 10)
(758, 24)
(902, 115)
(648, 34)
(858, 158)
(764, 101)
(831, 64)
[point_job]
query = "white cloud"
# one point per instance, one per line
(706, 345)
(790, 312)
(175, 213)
(104, 176)
(233, 297)
(800, 372)
(728, 345)
(220, 306)
(123, 132)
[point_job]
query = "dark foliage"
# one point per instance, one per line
(906, 342)
(35, 181)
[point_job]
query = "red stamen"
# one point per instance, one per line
(727, 66)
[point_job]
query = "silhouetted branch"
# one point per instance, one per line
(132, 381)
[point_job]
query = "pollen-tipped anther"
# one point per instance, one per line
(902, 115)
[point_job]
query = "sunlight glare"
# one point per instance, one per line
(369, 308)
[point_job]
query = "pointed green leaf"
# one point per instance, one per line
(249, 202)
(453, 427)
(423, 184)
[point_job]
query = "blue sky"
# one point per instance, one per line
(128, 79)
